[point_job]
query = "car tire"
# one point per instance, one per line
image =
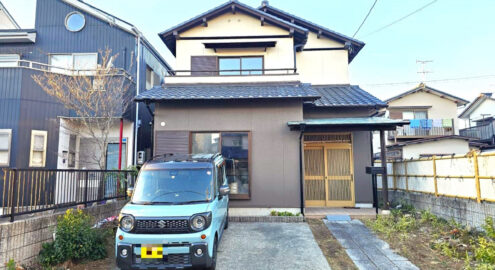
(226, 226)
(213, 265)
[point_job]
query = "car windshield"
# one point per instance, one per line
(173, 186)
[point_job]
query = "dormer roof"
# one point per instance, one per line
(424, 88)
(355, 44)
(170, 35)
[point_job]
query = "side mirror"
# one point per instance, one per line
(130, 190)
(224, 190)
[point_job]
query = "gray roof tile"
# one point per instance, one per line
(228, 91)
(345, 95)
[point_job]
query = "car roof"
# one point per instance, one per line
(182, 161)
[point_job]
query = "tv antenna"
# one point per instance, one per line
(422, 70)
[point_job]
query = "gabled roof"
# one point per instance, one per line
(169, 36)
(475, 104)
(117, 22)
(313, 27)
(345, 96)
(228, 92)
(7, 13)
(427, 89)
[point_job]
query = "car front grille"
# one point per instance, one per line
(162, 226)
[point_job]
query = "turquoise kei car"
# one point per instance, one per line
(176, 216)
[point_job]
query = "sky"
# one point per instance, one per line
(457, 35)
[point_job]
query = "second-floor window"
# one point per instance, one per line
(65, 63)
(152, 78)
(9, 60)
(248, 65)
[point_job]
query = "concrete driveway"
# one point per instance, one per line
(270, 246)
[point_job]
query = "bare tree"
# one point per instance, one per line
(98, 97)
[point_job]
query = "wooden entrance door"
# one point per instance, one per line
(329, 179)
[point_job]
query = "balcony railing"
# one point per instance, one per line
(425, 128)
(67, 71)
(484, 132)
(232, 76)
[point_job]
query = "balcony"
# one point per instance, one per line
(425, 128)
(232, 76)
(485, 132)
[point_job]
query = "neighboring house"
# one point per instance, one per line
(271, 92)
(68, 35)
(432, 114)
(430, 146)
(480, 120)
(6, 20)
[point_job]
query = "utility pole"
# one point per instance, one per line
(422, 69)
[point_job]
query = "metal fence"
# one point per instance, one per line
(26, 191)
(483, 132)
(470, 176)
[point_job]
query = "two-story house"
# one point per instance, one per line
(433, 127)
(479, 119)
(270, 91)
(67, 37)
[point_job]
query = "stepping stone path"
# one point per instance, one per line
(364, 248)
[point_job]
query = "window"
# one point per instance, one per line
(38, 148)
(71, 163)
(5, 140)
(408, 115)
(9, 60)
(240, 65)
(234, 146)
(75, 21)
(152, 78)
(220, 176)
(66, 63)
(113, 155)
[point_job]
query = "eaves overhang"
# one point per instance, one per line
(170, 36)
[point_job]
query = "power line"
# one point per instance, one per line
(365, 18)
(437, 80)
(402, 18)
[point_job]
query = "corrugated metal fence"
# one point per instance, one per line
(470, 176)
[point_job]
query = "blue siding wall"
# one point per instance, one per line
(10, 82)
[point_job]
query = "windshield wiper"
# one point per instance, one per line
(151, 203)
(190, 202)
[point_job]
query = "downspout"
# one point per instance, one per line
(138, 75)
(152, 124)
(301, 173)
(295, 50)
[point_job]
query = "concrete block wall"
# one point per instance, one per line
(21, 240)
(464, 211)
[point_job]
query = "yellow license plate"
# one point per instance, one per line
(151, 251)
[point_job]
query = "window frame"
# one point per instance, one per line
(9, 142)
(10, 63)
(246, 196)
(71, 70)
(67, 18)
(34, 133)
(240, 64)
(124, 155)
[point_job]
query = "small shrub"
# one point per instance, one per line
(484, 251)
(283, 214)
(10, 264)
(489, 228)
(75, 240)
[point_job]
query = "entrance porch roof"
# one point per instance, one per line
(347, 124)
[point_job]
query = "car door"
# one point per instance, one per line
(224, 200)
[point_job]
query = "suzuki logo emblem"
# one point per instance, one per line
(161, 224)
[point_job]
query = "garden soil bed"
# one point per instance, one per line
(332, 250)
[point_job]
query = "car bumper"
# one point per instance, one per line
(179, 251)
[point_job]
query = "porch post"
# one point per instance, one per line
(383, 157)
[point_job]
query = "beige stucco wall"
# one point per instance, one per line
(440, 107)
(274, 168)
(316, 67)
(451, 146)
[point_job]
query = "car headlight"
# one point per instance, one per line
(200, 222)
(127, 223)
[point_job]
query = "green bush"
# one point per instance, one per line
(75, 240)
(284, 214)
(484, 251)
